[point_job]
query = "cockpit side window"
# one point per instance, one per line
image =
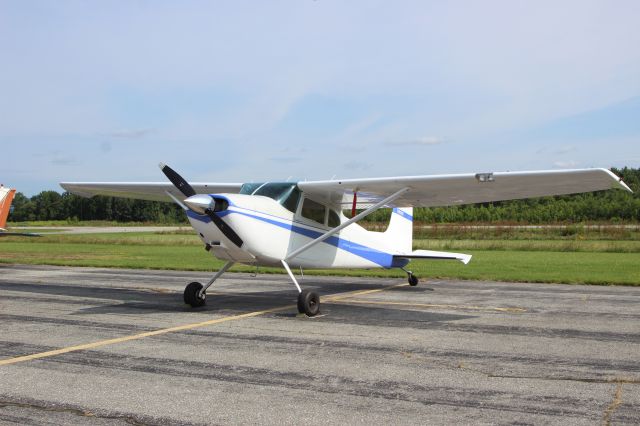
(290, 199)
(313, 210)
(285, 193)
(248, 188)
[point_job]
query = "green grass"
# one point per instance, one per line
(590, 262)
(601, 246)
(546, 232)
(121, 238)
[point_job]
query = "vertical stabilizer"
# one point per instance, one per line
(399, 234)
(6, 197)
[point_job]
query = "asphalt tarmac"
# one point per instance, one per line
(101, 346)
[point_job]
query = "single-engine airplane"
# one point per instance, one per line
(302, 225)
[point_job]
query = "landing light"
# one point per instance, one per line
(485, 177)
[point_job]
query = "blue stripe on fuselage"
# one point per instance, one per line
(199, 217)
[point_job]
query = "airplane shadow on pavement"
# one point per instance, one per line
(141, 301)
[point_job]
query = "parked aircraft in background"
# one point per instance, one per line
(6, 198)
(302, 225)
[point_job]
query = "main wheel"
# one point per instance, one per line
(192, 297)
(309, 303)
(413, 280)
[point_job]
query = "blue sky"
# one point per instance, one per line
(248, 91)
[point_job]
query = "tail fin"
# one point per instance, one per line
(6, 197)
(399, 234)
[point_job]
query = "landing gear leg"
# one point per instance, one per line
(308, 301)
(195, 294)
(413, 280)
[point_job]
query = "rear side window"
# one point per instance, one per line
(334, 219)
(314, 211)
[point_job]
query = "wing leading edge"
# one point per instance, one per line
(153, 191)
(447, 190)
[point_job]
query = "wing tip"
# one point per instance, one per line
(618, 182)
(622, 185)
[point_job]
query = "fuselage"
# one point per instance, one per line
(271, 228)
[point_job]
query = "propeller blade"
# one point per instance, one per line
(177, 180)
(224, 228)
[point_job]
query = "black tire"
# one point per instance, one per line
(413, 280)
(191, 295)
(309, 303)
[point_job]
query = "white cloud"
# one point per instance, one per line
(358, 165)
(423, 141)
(130, 133)
(565, 164)
(557, 150)
(285, 160)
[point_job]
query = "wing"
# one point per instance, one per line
(447, 190)
(154, 191)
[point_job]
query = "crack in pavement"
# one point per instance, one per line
(617, 401)
(83, 412)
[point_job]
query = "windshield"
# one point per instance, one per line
(285, 193)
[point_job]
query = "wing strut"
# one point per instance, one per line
(175, 200)
(338, 228)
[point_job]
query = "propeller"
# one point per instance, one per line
(199, 203)
(177, 180)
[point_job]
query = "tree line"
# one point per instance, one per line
(614, 206)
(51, 205)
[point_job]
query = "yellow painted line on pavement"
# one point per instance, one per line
(123, 339)
(100, 343)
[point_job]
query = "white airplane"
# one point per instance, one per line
(302, 225)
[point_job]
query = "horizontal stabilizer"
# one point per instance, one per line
(429, 254)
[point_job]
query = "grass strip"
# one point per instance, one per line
(500, 265)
